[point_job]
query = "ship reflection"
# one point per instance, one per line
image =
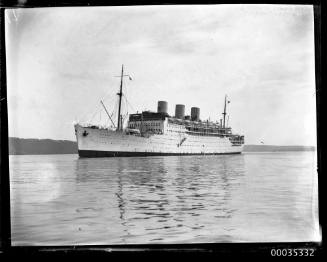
(166, 193)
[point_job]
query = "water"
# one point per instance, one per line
(253, 197)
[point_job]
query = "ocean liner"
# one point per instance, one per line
(157, 133)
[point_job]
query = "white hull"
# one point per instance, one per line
(94, 142)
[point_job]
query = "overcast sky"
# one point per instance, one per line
(62, 61)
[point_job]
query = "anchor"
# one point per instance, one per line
(181, 142)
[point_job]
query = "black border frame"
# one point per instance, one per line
(220, 249)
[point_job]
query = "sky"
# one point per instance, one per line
(62, 61)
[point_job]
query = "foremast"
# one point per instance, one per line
(120, 94)
(224, 113)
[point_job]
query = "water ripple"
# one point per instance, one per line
(61, 199)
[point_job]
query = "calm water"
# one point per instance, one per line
(64, 200)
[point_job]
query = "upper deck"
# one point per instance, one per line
(147, 115)
(160, 123)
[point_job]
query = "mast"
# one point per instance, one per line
(120, 94)
(224, 111)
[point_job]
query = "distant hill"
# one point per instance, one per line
(270, 148)
(22, 146)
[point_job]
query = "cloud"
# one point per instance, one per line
(63, 60)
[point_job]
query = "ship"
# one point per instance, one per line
(157, 133)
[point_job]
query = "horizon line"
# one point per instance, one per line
(244, 144)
